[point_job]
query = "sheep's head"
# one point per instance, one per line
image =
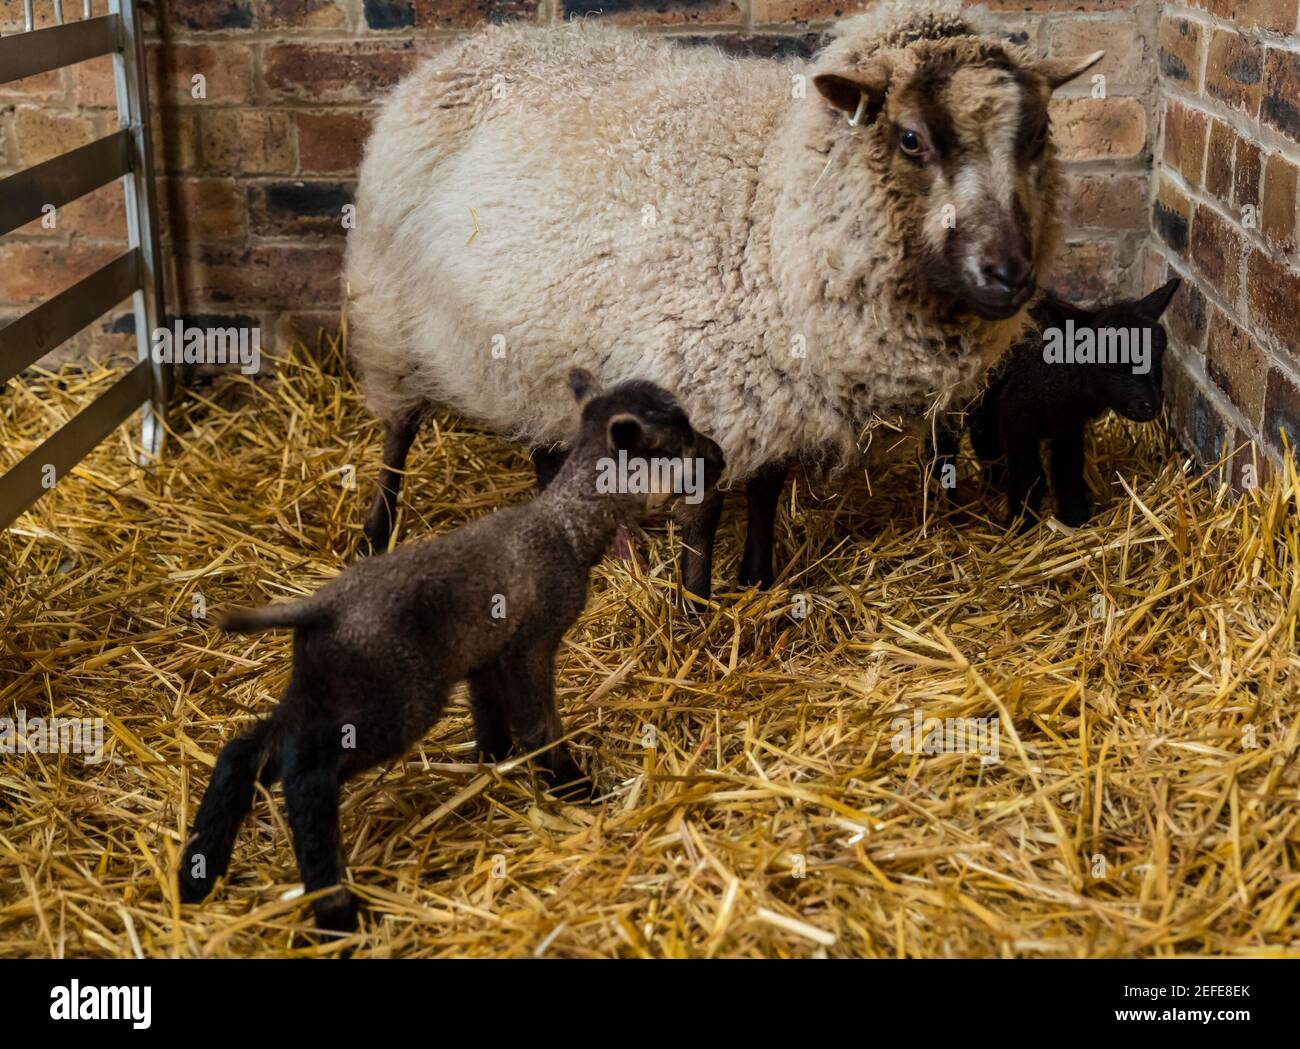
(957, 128)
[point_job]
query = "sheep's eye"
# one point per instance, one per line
(1040, 136)
(910, 142)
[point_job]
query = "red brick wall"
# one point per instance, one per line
(1224, 214)
(255, 174)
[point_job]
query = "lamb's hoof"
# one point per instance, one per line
(1072, 516)
(191, 889)
(336, 913)
(762, 578)
(569, 783)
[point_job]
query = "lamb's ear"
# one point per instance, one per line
(624, 432)
(1157, 302)
(583, 385)
(1058, 71)
(859, 92)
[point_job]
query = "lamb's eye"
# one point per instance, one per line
(910, 142)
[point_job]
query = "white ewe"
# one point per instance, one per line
(791, 264)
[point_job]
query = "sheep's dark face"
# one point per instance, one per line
(960, 128)
(645, 444)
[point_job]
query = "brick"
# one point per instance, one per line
(1119, 39)
(1099, 128)
(654, 12)
(1085, 271)
(1278, 213)
(227, 69)
(336, 72)
(1050, 5)
(99, 215)
(1185, 318)
(1171, 216)
(805, 10)
(465, 14)
(1179, 51)
(1281, 105)
(1154, 267)
(1108, 201)
(291, 209)
(43, 87)
(1185, 134)
(1282, 413)
(757, 45)
(389, 14)
(1278, 16)
(331, 143)
(1234, 71)
(32, 271)
(44, 133)
(300, 14)
(1272, 291)
(266, 275)
(223, 15)
(1218, 160)
(1217, 248)
(1245, 174)
(203, 209)
(93, 83)
(247, 142)
(1235, 364)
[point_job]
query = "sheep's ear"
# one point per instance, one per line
(1058, 71)
(583, 385)
(1158, 301)
(624, 432)
(859, 92)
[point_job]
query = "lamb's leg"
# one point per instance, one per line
(986, 439)
(699, 525)
(491, 733)
(1067, 478)
(547, 463)
(527, 676)
(310, 762)
(398, 439)
(1024, 478)
(763, 493)
(225, 804)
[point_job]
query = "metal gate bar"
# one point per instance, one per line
(128, 155)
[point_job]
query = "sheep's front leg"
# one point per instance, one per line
(398, 439)
(1024, 482)
(546, 464)
(487, 703)
(310, 765)
(699, 524)
(763, 493)
(1067, 478)
(527, 675)
(225, 804)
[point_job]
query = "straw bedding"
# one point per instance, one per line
(1130, 664)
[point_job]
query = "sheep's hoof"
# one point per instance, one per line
(336, 913)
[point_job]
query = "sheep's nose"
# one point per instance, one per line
(1007, 276)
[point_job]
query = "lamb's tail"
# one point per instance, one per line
(307, 612)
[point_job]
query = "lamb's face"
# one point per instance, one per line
(959, 130)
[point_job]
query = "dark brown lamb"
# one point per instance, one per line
(377, 650)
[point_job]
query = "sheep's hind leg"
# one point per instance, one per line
(398, 439)
(310, 763)
(763, 494)
(225, 804)
(699, 524)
